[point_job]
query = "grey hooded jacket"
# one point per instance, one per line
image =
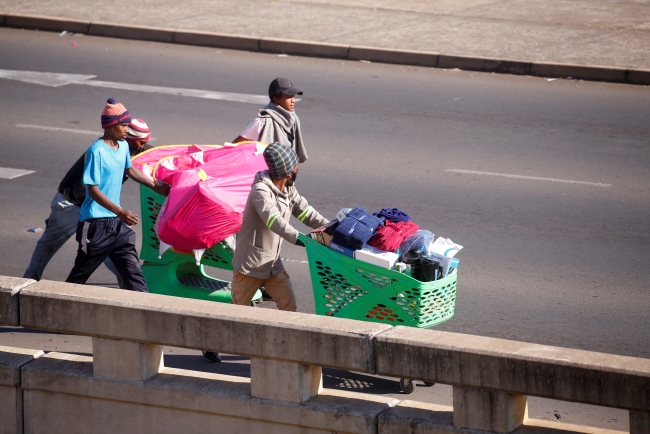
(266, 222)
(280, 125)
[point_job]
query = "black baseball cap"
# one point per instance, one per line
(283, 85)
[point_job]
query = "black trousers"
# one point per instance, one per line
(102, 238)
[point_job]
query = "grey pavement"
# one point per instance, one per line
(602, 33)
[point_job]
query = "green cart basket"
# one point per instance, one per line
(348, 288)
(345, 287)
(176, 273)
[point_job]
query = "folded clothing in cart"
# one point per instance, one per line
(390, 236)
(356, 228)
(392, 214)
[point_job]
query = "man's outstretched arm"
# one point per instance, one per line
(138, 176)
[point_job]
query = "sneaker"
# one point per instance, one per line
(265, 295)
(211, 356)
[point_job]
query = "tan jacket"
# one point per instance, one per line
(266, 222)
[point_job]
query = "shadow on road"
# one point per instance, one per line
(332, 378)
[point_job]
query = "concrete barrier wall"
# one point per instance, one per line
(11, 393)
(62, 394)
(126, 388)
(515, 367)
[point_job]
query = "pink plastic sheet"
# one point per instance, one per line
(209, 189)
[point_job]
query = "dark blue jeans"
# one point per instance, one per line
(107, 238)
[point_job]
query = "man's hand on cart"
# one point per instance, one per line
(162, 188)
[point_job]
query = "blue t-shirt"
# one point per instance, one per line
(104, 167)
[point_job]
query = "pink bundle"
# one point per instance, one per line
(391, 235)
(209, 189)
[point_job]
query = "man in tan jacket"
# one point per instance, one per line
(271, 202)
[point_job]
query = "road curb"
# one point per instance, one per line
(638, 76)
(131, 32)
(40, 22)
(585, 72)
(217, 40)
(400, 57)
(303, 48)
(485, 64)
(328, 50)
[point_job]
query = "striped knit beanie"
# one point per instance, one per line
(114, 113)
(138, 130)
(280, 159)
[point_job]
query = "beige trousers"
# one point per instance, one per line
(279, 287)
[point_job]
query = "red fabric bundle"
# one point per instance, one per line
(391, 235)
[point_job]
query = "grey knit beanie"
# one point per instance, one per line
(280, 159)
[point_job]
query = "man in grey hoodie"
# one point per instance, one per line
(271, 202)
(278, 121)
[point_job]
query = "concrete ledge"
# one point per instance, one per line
(178, 322)
(409, 417)
(11, 395)
(640, 76)
(60, 390)
(131, 32)
(9, 289)
(639, 422)
(585, 72)
(218, 40)
(285, 381)
(422, 418)
(407, 57)
(40, 22)
(300, 48)
(11, 360)
(489, 410)
(126, 360)
(515, 367)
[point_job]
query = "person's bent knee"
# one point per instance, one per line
(243, 288)
(287, 302)
(240, 299)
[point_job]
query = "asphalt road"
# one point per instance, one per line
(544, 260)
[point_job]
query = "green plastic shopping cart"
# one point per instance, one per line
(348, 288)
(345, 287)
(176, 273)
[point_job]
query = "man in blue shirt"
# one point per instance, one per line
(62, 222)
(104, 228)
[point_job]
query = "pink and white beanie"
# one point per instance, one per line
(138, 130)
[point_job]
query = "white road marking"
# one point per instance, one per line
(8, 173)
(64, 130)
(97, 133)
(532, 178)
(51, 79)
(224, 96)
(56, 80)
(295, 260)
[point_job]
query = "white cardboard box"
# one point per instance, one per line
(375, 256)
